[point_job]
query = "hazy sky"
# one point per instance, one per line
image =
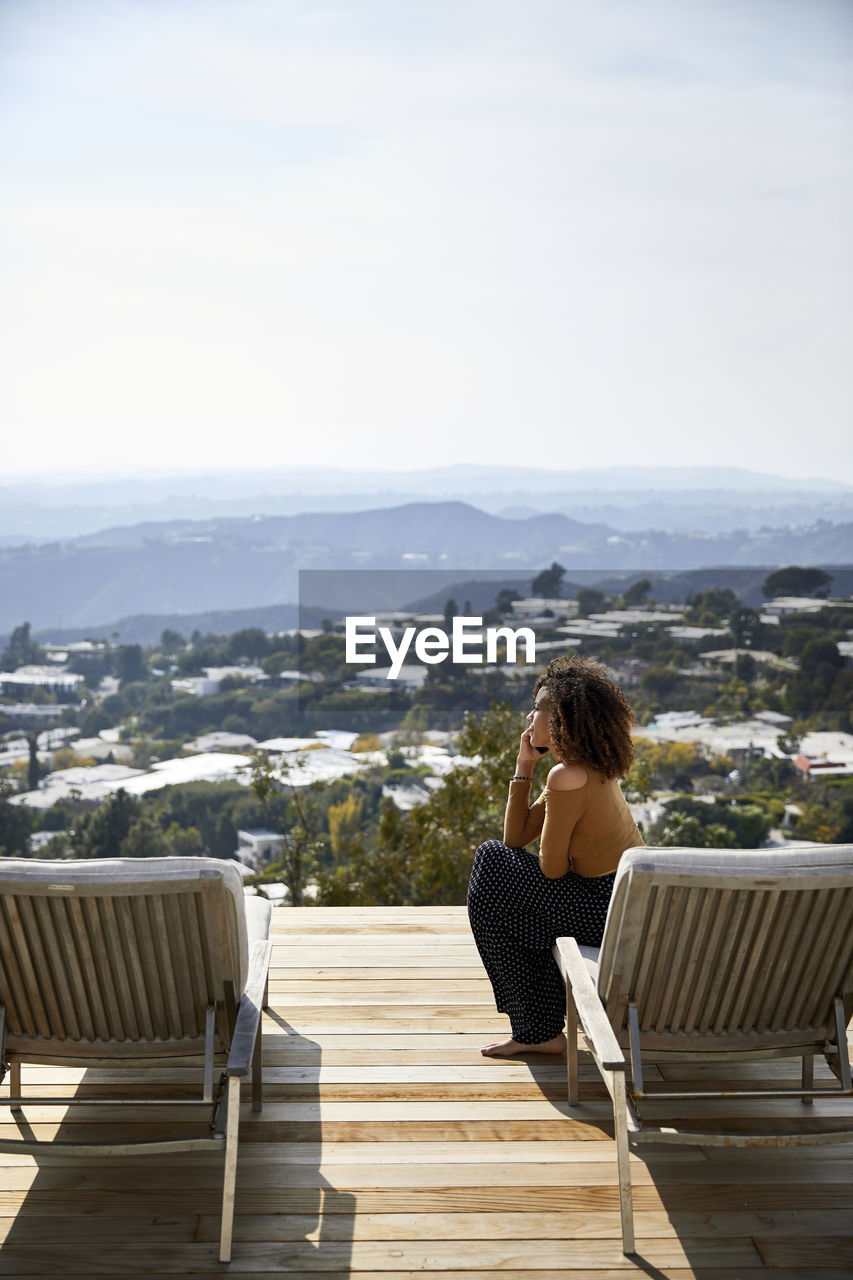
(416, 232)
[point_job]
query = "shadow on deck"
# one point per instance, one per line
(389, 1147)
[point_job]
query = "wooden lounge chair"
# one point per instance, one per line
(119, 963)
(714, 956)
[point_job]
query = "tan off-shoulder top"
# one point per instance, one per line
(586, 830)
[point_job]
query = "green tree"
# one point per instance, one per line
(694, 823)
(549, 581)
(796, 581)
(821, 660)
(680, 831)
(795, 640)
(130, 664)
(172, 642)
(302, 843)
(16, 823)
(590, 600)
(504, 599)
(33, 770)
(145, 839)
(100, 834)
(639, 784)
(637, 593)
(21, 649)
(706, 608)
(251, 644)
(746, 627)
(746, 667)
(425, 855)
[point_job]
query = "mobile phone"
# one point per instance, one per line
(542, 750)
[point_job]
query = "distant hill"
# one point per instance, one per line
(191, 567)
(697, 499)
(480, 592)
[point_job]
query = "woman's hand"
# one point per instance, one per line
(527, 756)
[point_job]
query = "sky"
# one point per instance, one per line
(412, 233)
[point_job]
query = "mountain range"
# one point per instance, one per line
(670, 499)
(184, 567)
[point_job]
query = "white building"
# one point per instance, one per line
(211, 682)
(29, 678)
(257, 846)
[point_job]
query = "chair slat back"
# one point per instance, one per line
(728, 946)
(126, 950)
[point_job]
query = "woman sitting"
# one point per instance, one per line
(519, 904)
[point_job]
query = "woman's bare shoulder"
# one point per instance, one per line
(567, 777)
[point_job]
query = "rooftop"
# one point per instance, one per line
(388, 1147)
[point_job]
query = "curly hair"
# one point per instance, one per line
(590, 718)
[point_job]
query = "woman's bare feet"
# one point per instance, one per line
(509, 1048)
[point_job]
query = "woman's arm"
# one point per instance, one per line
(522, 824)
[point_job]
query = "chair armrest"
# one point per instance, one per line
(249, 1011)
(590, 1010)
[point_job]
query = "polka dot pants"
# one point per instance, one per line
(516, 915)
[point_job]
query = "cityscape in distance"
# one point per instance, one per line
(175, 675)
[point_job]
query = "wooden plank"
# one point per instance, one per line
(357, 970)
(708, 1199)
(170, 1228)
(377, 1257)
(796, 1251)
(564, 1225)
(627, 1271)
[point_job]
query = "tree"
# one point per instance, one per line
(821, 660)
(706, 608)
(130, 664)
(301, 836)
(100, 834)
(21, 649)
(660, 680)
(344, 820)
(16, 823)
(451, 609)
(796, 581)
(746, 667)
(33, 772)
(722, 824)
(549, 581)
(504, 599)
(172, 642)
(746, 627)
(639, 784)
(251, 644)
(145, 839)
(796, 639)
(636, 593)
(590, 600)
(425, 855)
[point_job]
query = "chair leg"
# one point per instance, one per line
(232, 1125)
(15, 1082)
(257, 1073)
(620, 1122)
(807, 1076)
(571, 1046)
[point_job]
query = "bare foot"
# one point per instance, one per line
(508, 1048)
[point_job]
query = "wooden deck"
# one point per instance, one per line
(389, 1147)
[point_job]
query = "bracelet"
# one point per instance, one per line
(520, 777)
